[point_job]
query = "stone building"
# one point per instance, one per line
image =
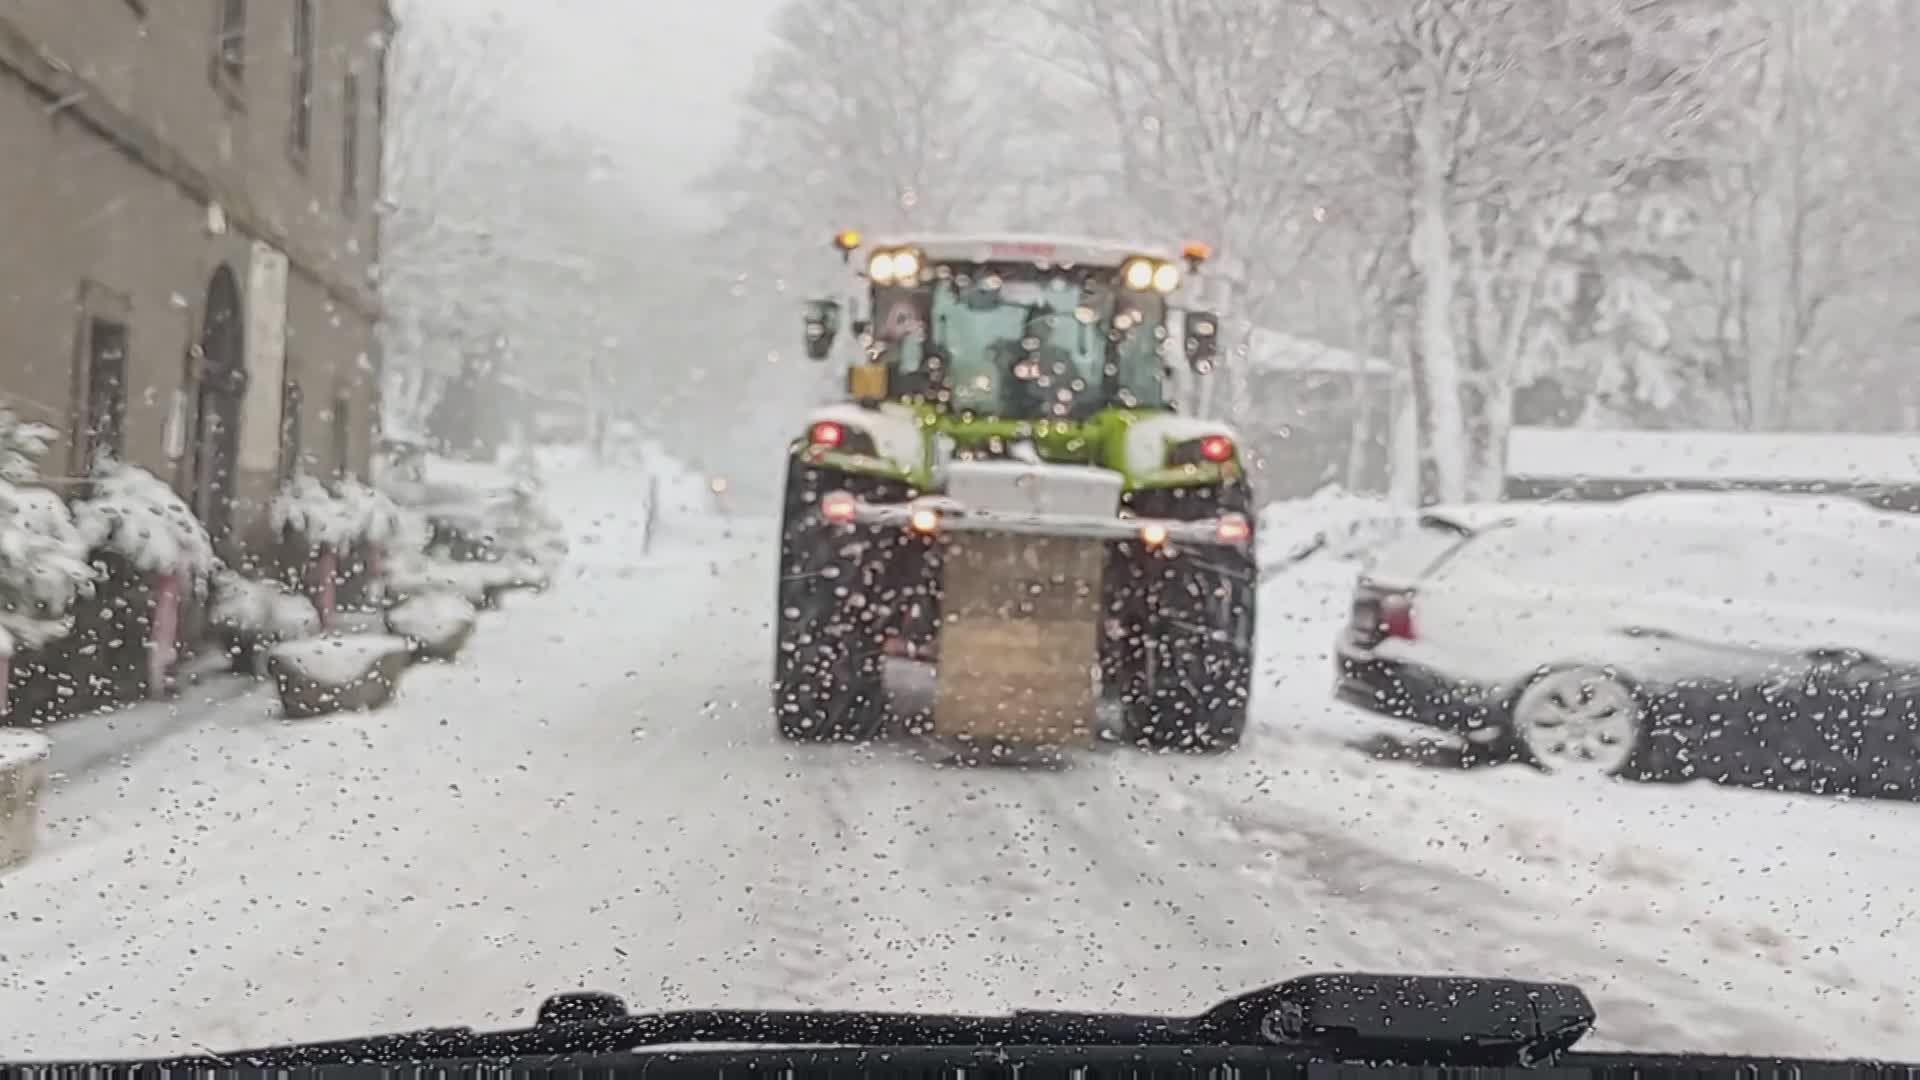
(189, 193)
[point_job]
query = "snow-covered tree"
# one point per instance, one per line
(43, 557)
(441, 189)
(1512, 116)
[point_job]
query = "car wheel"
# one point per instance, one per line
(1580, 721)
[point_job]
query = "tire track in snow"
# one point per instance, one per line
(1420, 915)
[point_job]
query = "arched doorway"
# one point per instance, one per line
(222, 387)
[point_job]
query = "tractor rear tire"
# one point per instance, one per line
(828, 681)
(1193, 676)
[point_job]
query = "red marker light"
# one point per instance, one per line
(838, 507)
(1216, 448)
(1233, 529)
(827, 433)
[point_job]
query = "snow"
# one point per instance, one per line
(470, 580)
(260, 607)
(1332, 523)
(1147, 439)
(306, 507)
(895, 429)
(19, 748)
(335, 661)
(1058, 250)
(1270, 351)
(1762, 573)
(1709, 455)
(430, 617)
(613, 735)
(133, 513)
(43, 565)
(374, 516)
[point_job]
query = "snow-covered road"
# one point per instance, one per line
(594, 797)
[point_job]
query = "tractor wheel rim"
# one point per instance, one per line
(1580, 722)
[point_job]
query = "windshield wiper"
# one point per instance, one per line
(1388, 1019)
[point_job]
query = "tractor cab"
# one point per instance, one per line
(1015, 328)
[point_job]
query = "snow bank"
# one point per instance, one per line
(23, 773)
(19, 748)
(136, 515)
(1332, 523)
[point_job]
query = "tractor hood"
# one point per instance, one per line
(1147, 448)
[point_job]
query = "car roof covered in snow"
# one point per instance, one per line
(1024, 247)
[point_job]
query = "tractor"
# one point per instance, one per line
(1007, 492)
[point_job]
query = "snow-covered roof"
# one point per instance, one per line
(1714, 456)
(1054, 250)
(1272, 351)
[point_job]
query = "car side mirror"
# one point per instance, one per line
(1203, 340)
(822, 326)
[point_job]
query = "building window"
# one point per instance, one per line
(350, 143)
(230, 46)
(303, 65)
(103, 431)
(291, 402)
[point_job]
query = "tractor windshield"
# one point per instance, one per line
(1032, 347)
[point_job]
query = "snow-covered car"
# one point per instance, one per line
(1754, 639)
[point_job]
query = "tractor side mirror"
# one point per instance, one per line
(823, 325)
(1203, 340)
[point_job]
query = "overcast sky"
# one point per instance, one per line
(655, 79)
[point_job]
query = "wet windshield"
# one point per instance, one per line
(737, 504)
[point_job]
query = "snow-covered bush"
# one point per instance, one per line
(136, 515)
(374, 517)
(245, 610)
(43, 557)
(305, 507)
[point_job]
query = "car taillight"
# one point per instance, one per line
(827, 433)
(1396, 616)
(1216, 448)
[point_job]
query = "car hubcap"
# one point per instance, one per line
(1581, 722)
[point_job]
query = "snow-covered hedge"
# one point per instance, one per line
(374, 516)
(43, 557)
(246, 608)
(136, 515)
(305, 506)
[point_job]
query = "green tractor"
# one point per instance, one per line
(1008, 495)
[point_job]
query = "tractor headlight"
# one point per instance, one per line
(1166, 278)
(880, 268)
(906, 266)
(1138, 274)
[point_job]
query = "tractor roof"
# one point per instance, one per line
(1027, 247)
